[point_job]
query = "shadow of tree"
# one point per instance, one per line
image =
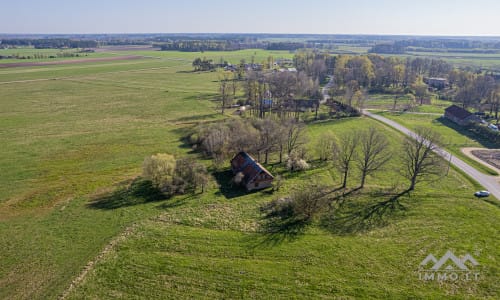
(137, 191)
(175, 201)
(280, 224)
(198, 118)
(351, 217)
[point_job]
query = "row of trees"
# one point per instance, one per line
(50, 43)
(200, 45)
(369, 154)
(367, 151)
(441, 45)
(259, 137)
(377, 73)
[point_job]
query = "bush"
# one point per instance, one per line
(302, 205)
(159, 168)
(308, 202)
(175, 176)
(295, 163)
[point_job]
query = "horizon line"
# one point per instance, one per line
(266, 33)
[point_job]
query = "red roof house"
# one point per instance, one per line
(255, 176)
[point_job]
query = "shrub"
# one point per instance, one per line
(295, 163)
(302, 205)
(308, 202)
(174, 176)
(159, 168)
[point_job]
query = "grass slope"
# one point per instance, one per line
(211, 247)
(70, 148)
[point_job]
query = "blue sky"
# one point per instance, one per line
(419, 17)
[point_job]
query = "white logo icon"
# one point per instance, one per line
(449, 257)
(448, 268)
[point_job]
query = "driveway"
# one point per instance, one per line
(326, 89)
(488, 182)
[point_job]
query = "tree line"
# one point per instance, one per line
(439, 45)
(200, 45)
(50, 43)
(262, 138)
(404, 76)
(270, 90)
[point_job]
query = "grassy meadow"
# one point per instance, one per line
(73, 140)
(454, 136)
(43, 55)
(386, 102)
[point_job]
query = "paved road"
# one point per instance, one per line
(488, 182)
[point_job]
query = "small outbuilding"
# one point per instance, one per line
(255, 176)
(460, 116)
(438, 83)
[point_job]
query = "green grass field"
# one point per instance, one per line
(454, 137)
(73, 140)
(44, 55)
(386, 102)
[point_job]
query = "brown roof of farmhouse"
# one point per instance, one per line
(458, 112)
(246, 164)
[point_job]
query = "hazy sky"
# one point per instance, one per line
(422, 17)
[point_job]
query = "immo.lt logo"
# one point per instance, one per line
(448, 268)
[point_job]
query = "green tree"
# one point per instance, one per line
(159, 169)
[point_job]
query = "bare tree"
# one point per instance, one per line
(324, 146)
(420, 161)
(294, 133)
(224, 89)
(374, 153)
(345, 154)
(215, 142)
(268, 136)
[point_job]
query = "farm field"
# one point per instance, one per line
(43, 55)
(73, 140)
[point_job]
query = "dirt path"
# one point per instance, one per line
(90, 265)
(468, 152)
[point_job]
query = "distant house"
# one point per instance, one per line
(460, 116)
(438, 83)
(255, 176)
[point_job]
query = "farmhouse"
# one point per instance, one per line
(460, 116)
(438, 83)
(255, 176)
